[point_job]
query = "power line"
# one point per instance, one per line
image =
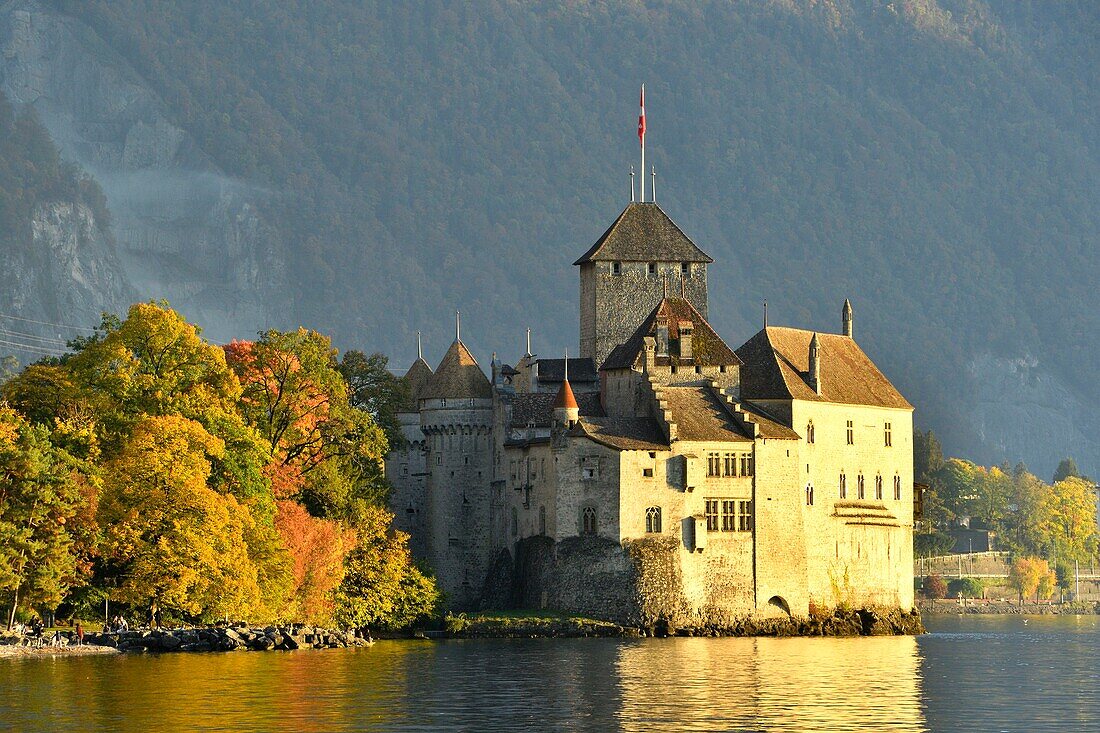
(31, 337)
(47, 323)
(29, 349)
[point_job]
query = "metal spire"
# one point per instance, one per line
(528, 343)
(419, 350)
(567, 365)
(653, 184)
(458, 325)
(765, 313)
(641, 138)
(631, 184)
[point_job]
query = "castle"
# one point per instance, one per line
(661, 474)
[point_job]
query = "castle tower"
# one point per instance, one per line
(641, 257)
(456, 418)
(406, 467)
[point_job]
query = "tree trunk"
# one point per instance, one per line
(14, 605)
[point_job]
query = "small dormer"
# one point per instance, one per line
(685, 329)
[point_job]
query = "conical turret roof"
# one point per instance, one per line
(565, 398)
(458, 375)
(416, 378)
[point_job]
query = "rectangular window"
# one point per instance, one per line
(746, 464)
(590, 467)
(897, 488)
(616, 268)
(729, 515)
(712, 515)
(647, 472)
(859, 487)
(404, 469)
(843, 486)
(888, 430)
(729, 465)
(851, 433)
(685, 269)
(713, 464)
(744, 516)
(652, 269)
(878, 487)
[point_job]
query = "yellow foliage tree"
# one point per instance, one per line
(173, 540)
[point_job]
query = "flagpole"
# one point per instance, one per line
(641, 137)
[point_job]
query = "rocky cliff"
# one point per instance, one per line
(185, 231)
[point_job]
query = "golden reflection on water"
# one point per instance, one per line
(771, 685)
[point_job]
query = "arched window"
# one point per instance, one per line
(542, 520)
(843, 486)
(878, 486)
(897, 487)
(809, 494)
(588, 521)
(810, 432)
(653, 520)
(859, 487)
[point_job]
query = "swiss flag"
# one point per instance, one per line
(641, 118)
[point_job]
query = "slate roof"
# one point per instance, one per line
(707, 347)
(770, 426)
(776, 361)
(538, 408)
(699, 416)
(644, 233)
(457, 376)
(623, 433)
(415, 379)
(580, 370)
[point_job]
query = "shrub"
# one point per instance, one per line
(965, 587)
(935, 587)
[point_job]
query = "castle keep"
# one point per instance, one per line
(662, 474)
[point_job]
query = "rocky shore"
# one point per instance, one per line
(201, 639)
(861, 622)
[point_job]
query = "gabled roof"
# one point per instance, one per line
(537, 408)
(458, 375)
(776, 364)
(644, 233)
(580, 370)
(707, 347)
(415, 379)
(622, 433)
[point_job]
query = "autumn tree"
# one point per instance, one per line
(171, 538)
(317, 548)
(1028, 574)
(39, 496)
(373, 388)
(383, 587)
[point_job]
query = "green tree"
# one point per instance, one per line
(927, 455)
(935, 587)
(39, 495)
(373, 388)
(1067, 468)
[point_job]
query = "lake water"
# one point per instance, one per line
(976, 673)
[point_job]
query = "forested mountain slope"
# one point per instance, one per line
(368, 168)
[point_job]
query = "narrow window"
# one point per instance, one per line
(542, 520)
(443, 402)
(729, 465)
(878, 487)
(729, 516)
(712, 515)
(851, 433)
(744, 516)
(889, 435)
(515, 522)
(685, 269)
(653, 520)
(897, 488)
(859, 486)
(713, 464)
(616, 268)
(652, 269)
(809, 494)
(404, 469)
(810, 432)
(588, 521)
(843, 486)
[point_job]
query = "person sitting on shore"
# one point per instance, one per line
(122, 625)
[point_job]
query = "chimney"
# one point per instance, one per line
(648, 363)
(815, 364)
(846, 319)
(662, 335)
(686, 328)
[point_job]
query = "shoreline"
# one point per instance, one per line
(978, 607)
